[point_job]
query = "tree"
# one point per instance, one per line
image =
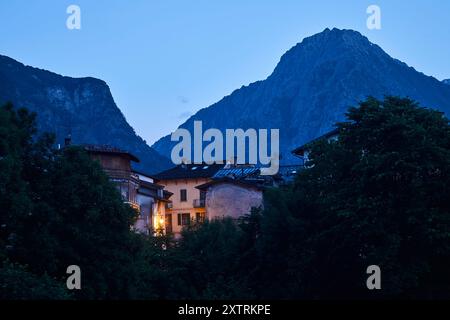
(206, 261)
(58, 208)
(16, 283)
(379, 195)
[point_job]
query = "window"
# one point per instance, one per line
(184, 219)
(168, 223)
(183, 195)
(200, 217)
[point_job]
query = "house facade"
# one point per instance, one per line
(137, 189)
(152, 200)
(233, 198)
(116, 164)
(215, 192)
(303, 151)
(187, 202)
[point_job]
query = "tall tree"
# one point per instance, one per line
(58, 208)
(379, 195)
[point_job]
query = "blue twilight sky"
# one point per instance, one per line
(164, 60)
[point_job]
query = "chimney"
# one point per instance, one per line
(68, 140)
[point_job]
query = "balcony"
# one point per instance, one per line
(199, 203)
(121, 175)
(127, 184)
(133, 205)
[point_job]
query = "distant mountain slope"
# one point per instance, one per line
(83, 107)
(312, 87)
(446, 81)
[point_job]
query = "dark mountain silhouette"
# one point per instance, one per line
(312, 87)
(82, 107)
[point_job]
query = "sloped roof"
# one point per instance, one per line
(236, 172)
(256, 184)
(109, 149)
(327, 135)
(189, 171)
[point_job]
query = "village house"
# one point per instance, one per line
(188, 202)
(187, 193)
(191, 193)
(137, 189)
(303, 151)
(216, 191)
(152, 200)
(233, 191)
(116, 164)
(236, 189)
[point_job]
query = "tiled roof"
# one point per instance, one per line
(150, 185)
(142, 173)
(189, 171)
(109, 149)
(236, 172)
(257, 184)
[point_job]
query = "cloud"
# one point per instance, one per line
(183, 99)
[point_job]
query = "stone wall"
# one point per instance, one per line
(231, 200)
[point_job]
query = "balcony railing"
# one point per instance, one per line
(115, 174)
(199, 203)
(127, 183)
(134, 205)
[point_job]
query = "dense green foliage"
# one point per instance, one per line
(58, 209)
(379, 195)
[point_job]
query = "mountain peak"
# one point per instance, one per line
(312, 87)
(83, 107)
(335, 36)
(331, 45)
(336, 32)
(14, 66)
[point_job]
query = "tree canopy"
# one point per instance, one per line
(58, 209)
(378, 195)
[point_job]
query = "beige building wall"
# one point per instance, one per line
(182, 207)
(231, 200)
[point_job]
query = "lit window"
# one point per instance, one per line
(200, 217)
